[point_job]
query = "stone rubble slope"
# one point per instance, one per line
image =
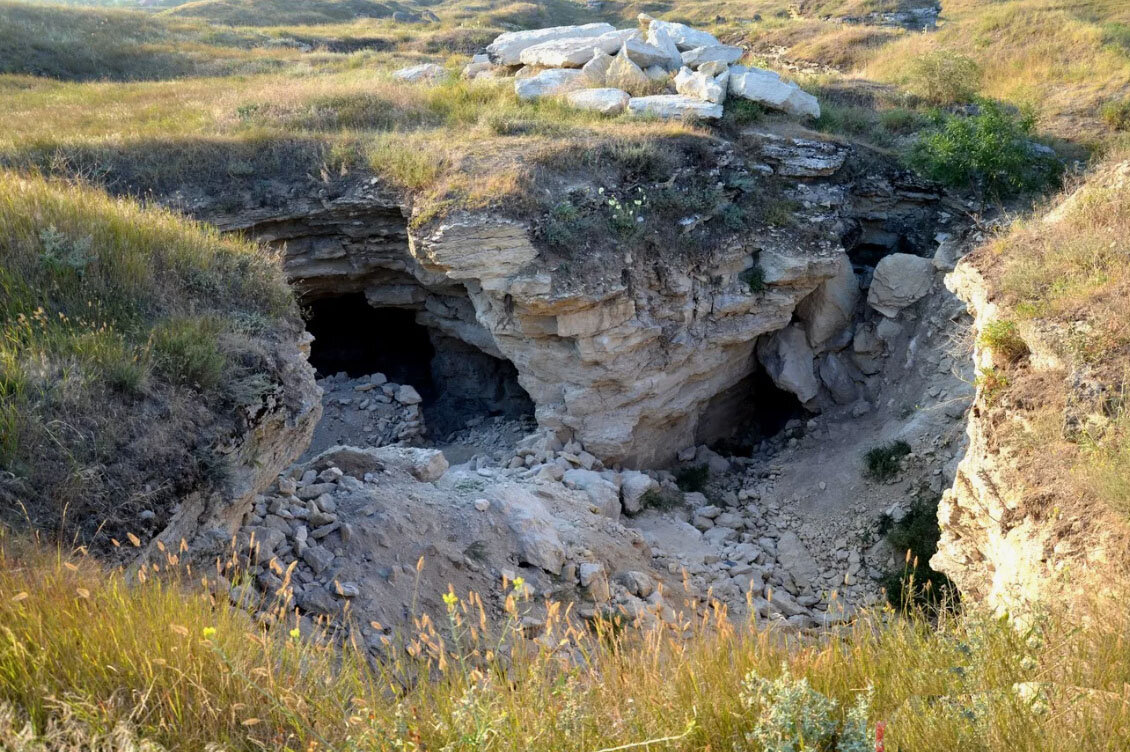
(638, 63)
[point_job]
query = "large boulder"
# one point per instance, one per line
(828, 310)
(900, 279)
(603, 493)
(604, 101)
(507, 48)
(685, 37)
(793, 556)
(659, 38)
(533, 528)
(789, 362)
(767, 88)
(674, 106)
(723, 53)
(643, 54)
(701, 85)
(573, 52)
(634, 485)
(548, 83)
(836, 377)
(625, 74)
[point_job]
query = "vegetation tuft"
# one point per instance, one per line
(691, 479)
(882, 462)
(915, 537)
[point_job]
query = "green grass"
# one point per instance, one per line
(109, 312)
(173, 664)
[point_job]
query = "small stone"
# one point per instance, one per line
(482, 504)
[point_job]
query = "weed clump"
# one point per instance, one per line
(883, 461)
(1116, 114)
(1003, 337)
(943, 77)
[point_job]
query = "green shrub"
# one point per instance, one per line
(989, 152)
(661, 499)
(916, 537)
(883, 461)
(943, 77)
(754, 277)
(744, 112)
(1003, 338)
(691, 479)
(1116, 114)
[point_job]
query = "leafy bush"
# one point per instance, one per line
(1003, 338)
(754, 277)
(943, 77)
(1116, 114)
(692, 479)
(883, 461)
(989, 152)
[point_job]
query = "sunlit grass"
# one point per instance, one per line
(179, 665)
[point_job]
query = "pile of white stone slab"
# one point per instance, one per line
(598, 67)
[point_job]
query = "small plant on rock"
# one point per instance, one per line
(883, 461)
(1003, 337)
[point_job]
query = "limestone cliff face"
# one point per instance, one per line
(1005, 541)
(629, 368)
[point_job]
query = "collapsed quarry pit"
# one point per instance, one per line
(549, 390)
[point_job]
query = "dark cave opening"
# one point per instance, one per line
(352, 336)
(457, 381)
(759, 410)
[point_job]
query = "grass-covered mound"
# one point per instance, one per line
(174, 665)
(129, 338)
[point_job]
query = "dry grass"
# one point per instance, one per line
(173, 664)
(1067, 275)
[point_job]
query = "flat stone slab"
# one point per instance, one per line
(674, 106)
(507, 48)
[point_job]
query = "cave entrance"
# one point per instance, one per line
(458, 382)
(754, 410)
(352, 336)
